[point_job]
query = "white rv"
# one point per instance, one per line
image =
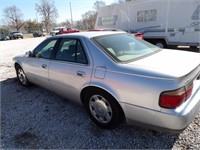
(162, 22)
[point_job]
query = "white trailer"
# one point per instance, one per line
(162, 22)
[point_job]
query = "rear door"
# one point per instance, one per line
(71, 69)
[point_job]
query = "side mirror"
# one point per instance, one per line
(28, 54)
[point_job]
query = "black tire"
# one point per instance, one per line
(173, 47)
(193, 47)
(22, 77)
(103, 109)
(160, 43)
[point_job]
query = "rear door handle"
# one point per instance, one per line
(80, 73)
(44, 66)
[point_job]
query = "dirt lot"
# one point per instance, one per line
(36, 118)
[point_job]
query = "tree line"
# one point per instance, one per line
(48, 12)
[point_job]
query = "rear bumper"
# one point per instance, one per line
(165, 119)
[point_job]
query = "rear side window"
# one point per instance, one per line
(71, 50)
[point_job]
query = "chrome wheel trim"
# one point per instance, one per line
(100, 109)
(22, 76)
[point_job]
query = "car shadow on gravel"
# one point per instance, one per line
(34, 118)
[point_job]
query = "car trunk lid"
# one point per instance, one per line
(169, 64)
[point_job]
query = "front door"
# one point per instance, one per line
(37, 65)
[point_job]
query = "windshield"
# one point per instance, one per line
(125, 47)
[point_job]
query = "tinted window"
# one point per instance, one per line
(44, 49)
(124, 47)
(71, 50)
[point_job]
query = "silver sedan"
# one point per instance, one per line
(117, 77)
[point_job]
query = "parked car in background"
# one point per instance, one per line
(16, 35)
(137, 34)
(56, 30)
(4, 37)
(116, 76)
(67, 30)
(37, 34)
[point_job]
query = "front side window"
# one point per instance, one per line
(45, 49)
(124, 47)
(71, 50)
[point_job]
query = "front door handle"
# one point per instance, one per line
(44, 66)
(80, 73)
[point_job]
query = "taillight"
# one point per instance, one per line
(173, 99)
(140, 36)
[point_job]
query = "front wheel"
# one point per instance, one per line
(103, 109)
(22, 77)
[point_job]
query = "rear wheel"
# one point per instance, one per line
(160, 43)
(22, 77)
(103, 109)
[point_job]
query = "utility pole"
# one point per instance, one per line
(71, 14)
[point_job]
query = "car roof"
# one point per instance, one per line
(105, 29)
(89, 34)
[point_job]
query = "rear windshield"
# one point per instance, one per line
(125, 47)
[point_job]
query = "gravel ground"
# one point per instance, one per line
(34, 118)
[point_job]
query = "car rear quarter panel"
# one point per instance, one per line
(135, 89)
(125, 83)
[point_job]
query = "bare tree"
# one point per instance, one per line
(79, 25)
(98, 4)
(31, 26)
(66, 23)
(121, 1)
(48, 11)
(89, 19)
(13, 15)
